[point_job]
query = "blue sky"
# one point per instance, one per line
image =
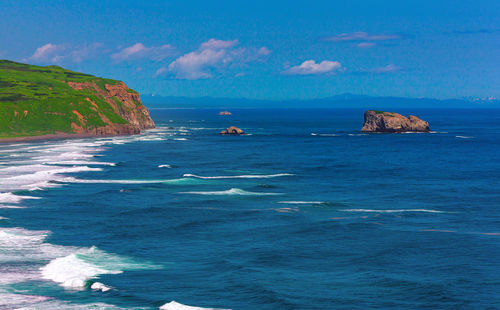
(266, 49)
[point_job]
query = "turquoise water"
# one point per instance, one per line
(305, 212)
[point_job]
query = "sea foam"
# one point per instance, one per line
(75, 271)
(173, 305)
(247, 176)
(232, 191)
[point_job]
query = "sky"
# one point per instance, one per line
(266, 49)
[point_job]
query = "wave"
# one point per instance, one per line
(40, 177)
(77, 270)
(232, 191)
(393, 210)
(12, 198)
(325, 134)
(76, 162)
(16, 301)
(164, 166)
(32, 302)
(179, 181)
(247, 176)
(20, 245)
(173, 305)
(464, 137)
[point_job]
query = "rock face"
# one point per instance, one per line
(379, 121)
(232, 131)
(125, 102)
(226, 113)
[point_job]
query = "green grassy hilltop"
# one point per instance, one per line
(37, 100)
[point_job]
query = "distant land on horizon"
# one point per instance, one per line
(338, 101)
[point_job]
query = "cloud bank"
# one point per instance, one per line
(140, 51)
(212, 56)
(59, 53)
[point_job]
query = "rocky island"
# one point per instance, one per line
(232, 131)
(389, 122)
(51, 102)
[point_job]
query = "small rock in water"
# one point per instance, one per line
(232, 131)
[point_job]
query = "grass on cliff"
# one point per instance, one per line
(37, 100)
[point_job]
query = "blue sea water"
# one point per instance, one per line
(304, 212)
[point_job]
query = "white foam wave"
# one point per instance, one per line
(465, 137)
(248, 176)
(64, 305)
(20, 252)
(12, 198)
(75, 180)
(173, 305)
(10, 207)
(98, 286)
(232, 191)
(40, 177)
(75, 271)
(164, 166)
(392, 210)
(20, 301)
(325, 134)
(80, 162)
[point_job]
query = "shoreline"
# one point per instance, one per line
(58, 136)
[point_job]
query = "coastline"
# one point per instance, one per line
(58, 136)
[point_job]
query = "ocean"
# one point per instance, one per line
(303, 212)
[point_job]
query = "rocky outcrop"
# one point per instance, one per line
(225, 113)
(379, 121)
(124, 101)
(232, 131)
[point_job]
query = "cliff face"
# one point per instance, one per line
(125, 102)
(39, 101)
(378, 121)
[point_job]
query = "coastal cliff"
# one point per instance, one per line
(389, 122)
(54, 102)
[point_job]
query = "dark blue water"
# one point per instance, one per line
(303, 213)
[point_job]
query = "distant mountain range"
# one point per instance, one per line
(339, 101)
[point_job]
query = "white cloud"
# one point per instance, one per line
(385, 69)
(218, 44)
(59, 53)
(47, 52)
(212, 56)
(140, 51)
(361, 36)
(195, 65)
(310, 67)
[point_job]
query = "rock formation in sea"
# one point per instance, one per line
(379, 121)
(232, 131)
